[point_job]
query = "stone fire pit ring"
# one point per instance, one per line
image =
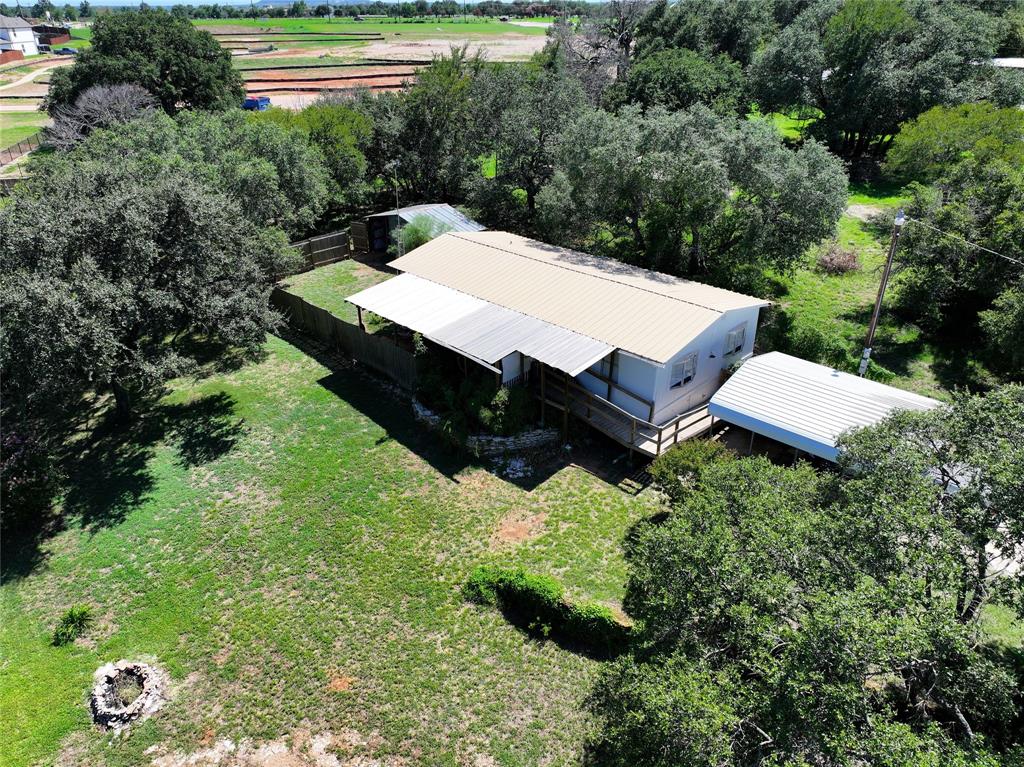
(109, 707)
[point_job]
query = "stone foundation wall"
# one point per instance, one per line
(490, 445)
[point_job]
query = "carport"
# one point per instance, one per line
(805, 405)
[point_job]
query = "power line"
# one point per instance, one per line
(965, 241)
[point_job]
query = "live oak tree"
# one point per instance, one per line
(519, 113)
(870, 65)
(116, 253)
(735, 28)
(691, 193)
(181, 65)
(786, 616)
(678, 78)
(420, 136)
(932, 143)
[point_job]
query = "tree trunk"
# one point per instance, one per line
(695, 254)
(122, 401)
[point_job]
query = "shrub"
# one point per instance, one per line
(539, 603)
(678, 469)
(838, 260)
(72, 625)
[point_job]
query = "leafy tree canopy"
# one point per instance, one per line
(181, 65)
(678, 78)
(114, 253)
(870, 65)
(519, 113)
(339, 131)
(420, 135)
(929, 145)
(735, 28)
(691, 193)
(791, 617)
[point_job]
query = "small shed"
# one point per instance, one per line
(805, 405)
(381, 226)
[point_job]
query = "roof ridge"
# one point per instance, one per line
(578, 271)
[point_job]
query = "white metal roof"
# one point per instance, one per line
(806, 405)
(443, 214)
(477, 328)
(642, 312)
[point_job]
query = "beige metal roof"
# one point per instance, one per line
(642, 312)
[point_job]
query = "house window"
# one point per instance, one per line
(734, 340)
(683, 371)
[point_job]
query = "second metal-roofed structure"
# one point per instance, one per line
(806, 405)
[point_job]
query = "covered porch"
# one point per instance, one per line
(522, 350)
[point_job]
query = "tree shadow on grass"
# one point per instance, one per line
(108, 472)
(525, 623)
(393, 414)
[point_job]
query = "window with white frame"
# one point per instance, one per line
(734, 340)
(683, 371)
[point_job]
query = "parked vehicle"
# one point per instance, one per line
(257, 103)
(66, 51)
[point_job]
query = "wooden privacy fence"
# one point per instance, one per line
(323, 249)
(372, 350)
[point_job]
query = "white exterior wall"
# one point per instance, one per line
(671, 402)
(651, 381)
(23, 40)
(510, 367)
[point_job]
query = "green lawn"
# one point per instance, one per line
(844, 303)
(16, 126)
(290, 547)
(329, 286)
(423, 28)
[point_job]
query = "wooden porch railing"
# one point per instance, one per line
(637, 434)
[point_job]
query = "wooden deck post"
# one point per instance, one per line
(565, 412)
(359, 314)
(543, 398)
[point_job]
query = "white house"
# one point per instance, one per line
(17, 35)
(636, 353)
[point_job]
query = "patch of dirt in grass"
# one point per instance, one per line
(300, 749)
(518, 526)
(341, 683)
(863, 212)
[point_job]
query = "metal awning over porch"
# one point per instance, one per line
(479, 329)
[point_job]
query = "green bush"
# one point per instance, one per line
(678, 469)
(72, 625)
(539, 604)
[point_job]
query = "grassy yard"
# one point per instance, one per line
(424, 28)
(290, 547)
(16, 126)
(329, 286)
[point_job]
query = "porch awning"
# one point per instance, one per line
(479, 329)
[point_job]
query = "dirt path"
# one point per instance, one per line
(33, 75)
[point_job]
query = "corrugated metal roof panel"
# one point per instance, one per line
(804, 404)
(642, 312)
(443, 214)
(477, 328)
(418, 304)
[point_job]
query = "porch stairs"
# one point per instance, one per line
(637, 435)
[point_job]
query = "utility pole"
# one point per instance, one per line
(866, 355)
